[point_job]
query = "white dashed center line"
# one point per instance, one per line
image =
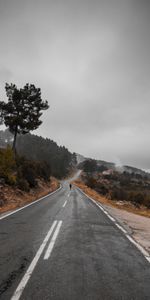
(31, 268)
(53, 240)
(64, 204)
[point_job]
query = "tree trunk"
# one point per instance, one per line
(14, 142)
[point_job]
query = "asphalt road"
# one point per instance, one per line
(65, 248)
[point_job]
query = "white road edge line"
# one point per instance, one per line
(64, 204)
(53, 240)
(18, 209)
(121, 228)
(144, 252)
(138, 246)
(30, 269)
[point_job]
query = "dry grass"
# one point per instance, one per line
(15, 198)
(142, 211)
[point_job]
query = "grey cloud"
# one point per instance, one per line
(91, 60)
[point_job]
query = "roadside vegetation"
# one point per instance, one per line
(28, 162)
(118, 186)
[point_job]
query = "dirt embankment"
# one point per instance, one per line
(11, 198)
(135, 220)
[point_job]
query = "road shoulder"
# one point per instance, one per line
(136, 225)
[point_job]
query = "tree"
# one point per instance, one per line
(21, 114)
(90, 166)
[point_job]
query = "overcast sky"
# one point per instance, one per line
(91, 59)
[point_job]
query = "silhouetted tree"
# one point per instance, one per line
(21, 114)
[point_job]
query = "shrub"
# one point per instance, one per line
(147, 202)
(137, 198)
(27, 171)
(118, 194)
(43, 170)
(102, 189)
(7, 165)
(23, 184)
(29, 175)
(89, 165)
(91, 182)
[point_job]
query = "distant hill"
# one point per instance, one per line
(111, 165)
(80, 158)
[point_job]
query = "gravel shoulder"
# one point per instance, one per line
(135, 221)
(137, 226)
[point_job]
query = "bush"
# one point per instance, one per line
(118, 194)
(89, 165)
(23, 184)
(137, 198)
(91, 182)
(7, 165)
(29, 175)
(31, 170)
(102, 189)
(21, 171)
(147, 201)
(27, 171)
(43, 170)
(11, 179)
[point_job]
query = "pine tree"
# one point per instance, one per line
(21, 114)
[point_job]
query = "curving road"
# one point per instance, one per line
(65, 248)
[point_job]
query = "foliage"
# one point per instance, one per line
(89, 165)
(121, 186)
(7, 165)
(23, 111)
(18, 171)
(36, 148)
(91, 182)
(31, 170)
(43, 170)
(57, 159)
(137, 198)
(23, 184)
(118, 194)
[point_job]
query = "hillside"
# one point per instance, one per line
(110, 165)
(126, 184)
(37, 148)
(30, 173)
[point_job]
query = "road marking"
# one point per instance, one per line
(30, 269)
(138, 246)
(53, 240)
(68, 194)
(111, 218)
(121, 228)
(65, 203)
(18, 209)
(144, 252)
